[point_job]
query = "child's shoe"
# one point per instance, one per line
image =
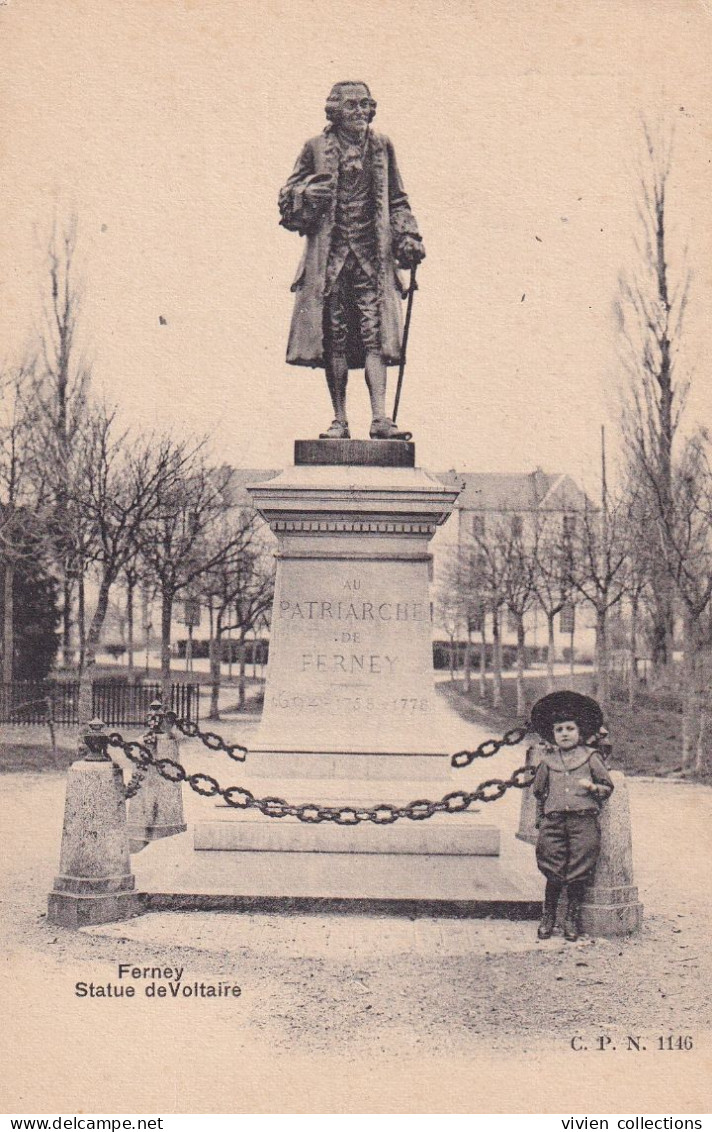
(551, 899)
(546, 927)
(571, 921)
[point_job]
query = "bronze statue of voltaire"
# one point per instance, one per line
(346, 196)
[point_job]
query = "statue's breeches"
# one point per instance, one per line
(352, 306)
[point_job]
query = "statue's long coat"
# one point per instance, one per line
(393, 218)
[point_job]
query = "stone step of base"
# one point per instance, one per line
(461, 835)
(171, 870)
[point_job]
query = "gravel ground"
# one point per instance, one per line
(361, 987)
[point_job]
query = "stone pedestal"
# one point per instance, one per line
(157, 809)
(95, 884)
(350, 714)
(611, 905)
(351, 666)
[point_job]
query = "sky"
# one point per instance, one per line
(168, 126)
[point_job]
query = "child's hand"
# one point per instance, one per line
(593, 788)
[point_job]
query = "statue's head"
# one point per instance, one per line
(350, 106)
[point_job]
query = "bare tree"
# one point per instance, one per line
(553, 555)
(181, 545)
(650, 307)
(448, 604)
(684, 540)
(599, 573)
(22, 494)
(489, 544)
(460, 602)
(134, 574)
(240, 585)
(116, 484)
(519, 550)
(643, 565)
(64, 376)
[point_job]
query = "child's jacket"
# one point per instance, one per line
(558, 784)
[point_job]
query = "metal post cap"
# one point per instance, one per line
(155, 716)
(96, 741)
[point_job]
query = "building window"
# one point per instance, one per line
(478, 526)
(568, 527)
(517, 526)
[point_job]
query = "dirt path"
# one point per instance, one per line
(326, 986)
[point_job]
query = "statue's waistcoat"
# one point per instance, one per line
(366, 219)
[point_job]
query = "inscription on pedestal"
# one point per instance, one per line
(351, 655)
(348, 652)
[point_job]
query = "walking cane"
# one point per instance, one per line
(406, 330)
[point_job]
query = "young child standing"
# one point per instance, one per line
(570, 785)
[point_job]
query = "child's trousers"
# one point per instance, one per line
(568, 845)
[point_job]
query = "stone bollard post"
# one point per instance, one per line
(610, 905)
(95, 883)
(157, 809)
(527, 818)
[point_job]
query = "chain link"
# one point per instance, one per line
(490, 747)
(134, 784)
(142, 762)
(311, 813)
(210, 739)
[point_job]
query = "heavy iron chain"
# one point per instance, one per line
(238, 797)
(211, 739)
(135, 782)
(215, 742)
(490, 747)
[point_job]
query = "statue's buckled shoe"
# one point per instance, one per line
(337, 430)
(383, 428)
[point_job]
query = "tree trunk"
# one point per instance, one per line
(67, 652)
(215, 650)
(92, 643)
(241, 677)
(468, 663)
(8, 616)
(550, 651)
(496, 660)
(166, 618)
(690, 698)
(81, 616)
(632, 652)
(483, 662)
(703, 761)
(521, 660)
(603, 676)
(130, 585)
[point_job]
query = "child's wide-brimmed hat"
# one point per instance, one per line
(560, 706)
